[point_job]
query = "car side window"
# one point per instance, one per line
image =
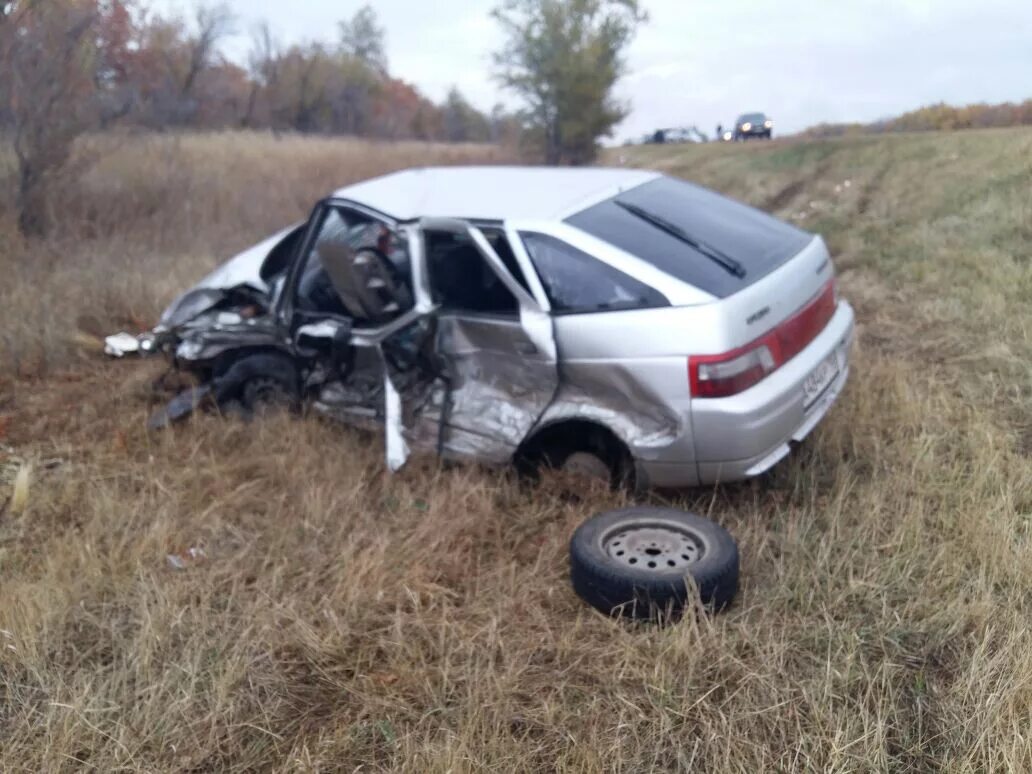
(461, 278)
(576, 282)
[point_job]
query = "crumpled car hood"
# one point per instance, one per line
(244, 268)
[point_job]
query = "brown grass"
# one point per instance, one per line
(340, 618)
(139, 217)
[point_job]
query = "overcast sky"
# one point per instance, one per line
(705, 61)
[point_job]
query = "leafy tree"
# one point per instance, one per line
(563, 57)
(175, 60)
(362, 38)
(61, 61)
(69, 67)
(400, 111)
(505, 126)
(463, 122)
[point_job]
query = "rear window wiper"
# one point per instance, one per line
(722, 259)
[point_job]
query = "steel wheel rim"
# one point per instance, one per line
(659, 547)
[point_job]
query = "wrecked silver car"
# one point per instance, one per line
(613, 321)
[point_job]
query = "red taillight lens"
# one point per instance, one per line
(718, 376)
(802, 327)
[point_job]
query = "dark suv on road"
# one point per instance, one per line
(753, 125)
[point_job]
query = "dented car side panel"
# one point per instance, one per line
(499, 385)
(501, 371)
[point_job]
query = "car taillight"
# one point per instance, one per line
(719, 376)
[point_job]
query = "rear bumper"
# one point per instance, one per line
(744, 435)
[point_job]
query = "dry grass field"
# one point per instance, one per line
(337, 618)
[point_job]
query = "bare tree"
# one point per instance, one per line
(264, 68)
(48, 52)
(213, 23)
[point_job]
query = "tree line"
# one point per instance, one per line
(156, 71)
(938, 117)
(70, 67)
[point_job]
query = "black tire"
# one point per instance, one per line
(259, 381)
(626, 585)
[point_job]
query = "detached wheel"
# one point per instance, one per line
(636, 562)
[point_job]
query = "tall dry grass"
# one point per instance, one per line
(137, 218)
(340, 618)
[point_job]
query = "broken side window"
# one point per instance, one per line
(315, 292)
(278, 259)
(500, 242)
(462, 280)
(576, 282)
(357, 267)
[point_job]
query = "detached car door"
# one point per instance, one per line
(494, 340)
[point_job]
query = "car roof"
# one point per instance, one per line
(492, 193)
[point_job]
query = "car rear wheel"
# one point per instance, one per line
(649, 562)
(582, 463)
(581, 449)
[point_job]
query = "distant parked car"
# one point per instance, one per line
(675, 134)
(753, 125)
(685, 134)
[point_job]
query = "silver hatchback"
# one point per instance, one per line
(613, 321)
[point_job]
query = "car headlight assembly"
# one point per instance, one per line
(768, 123)
(746, 126)
(189, 349)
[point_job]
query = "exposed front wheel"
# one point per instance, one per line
(259, 382)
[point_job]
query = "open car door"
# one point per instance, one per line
(464, 352)
(494, 341)
(354, 315)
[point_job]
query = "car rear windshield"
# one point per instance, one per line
(694, 234)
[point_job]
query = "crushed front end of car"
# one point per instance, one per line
(200, 332)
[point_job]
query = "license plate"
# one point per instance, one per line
(818, 380)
